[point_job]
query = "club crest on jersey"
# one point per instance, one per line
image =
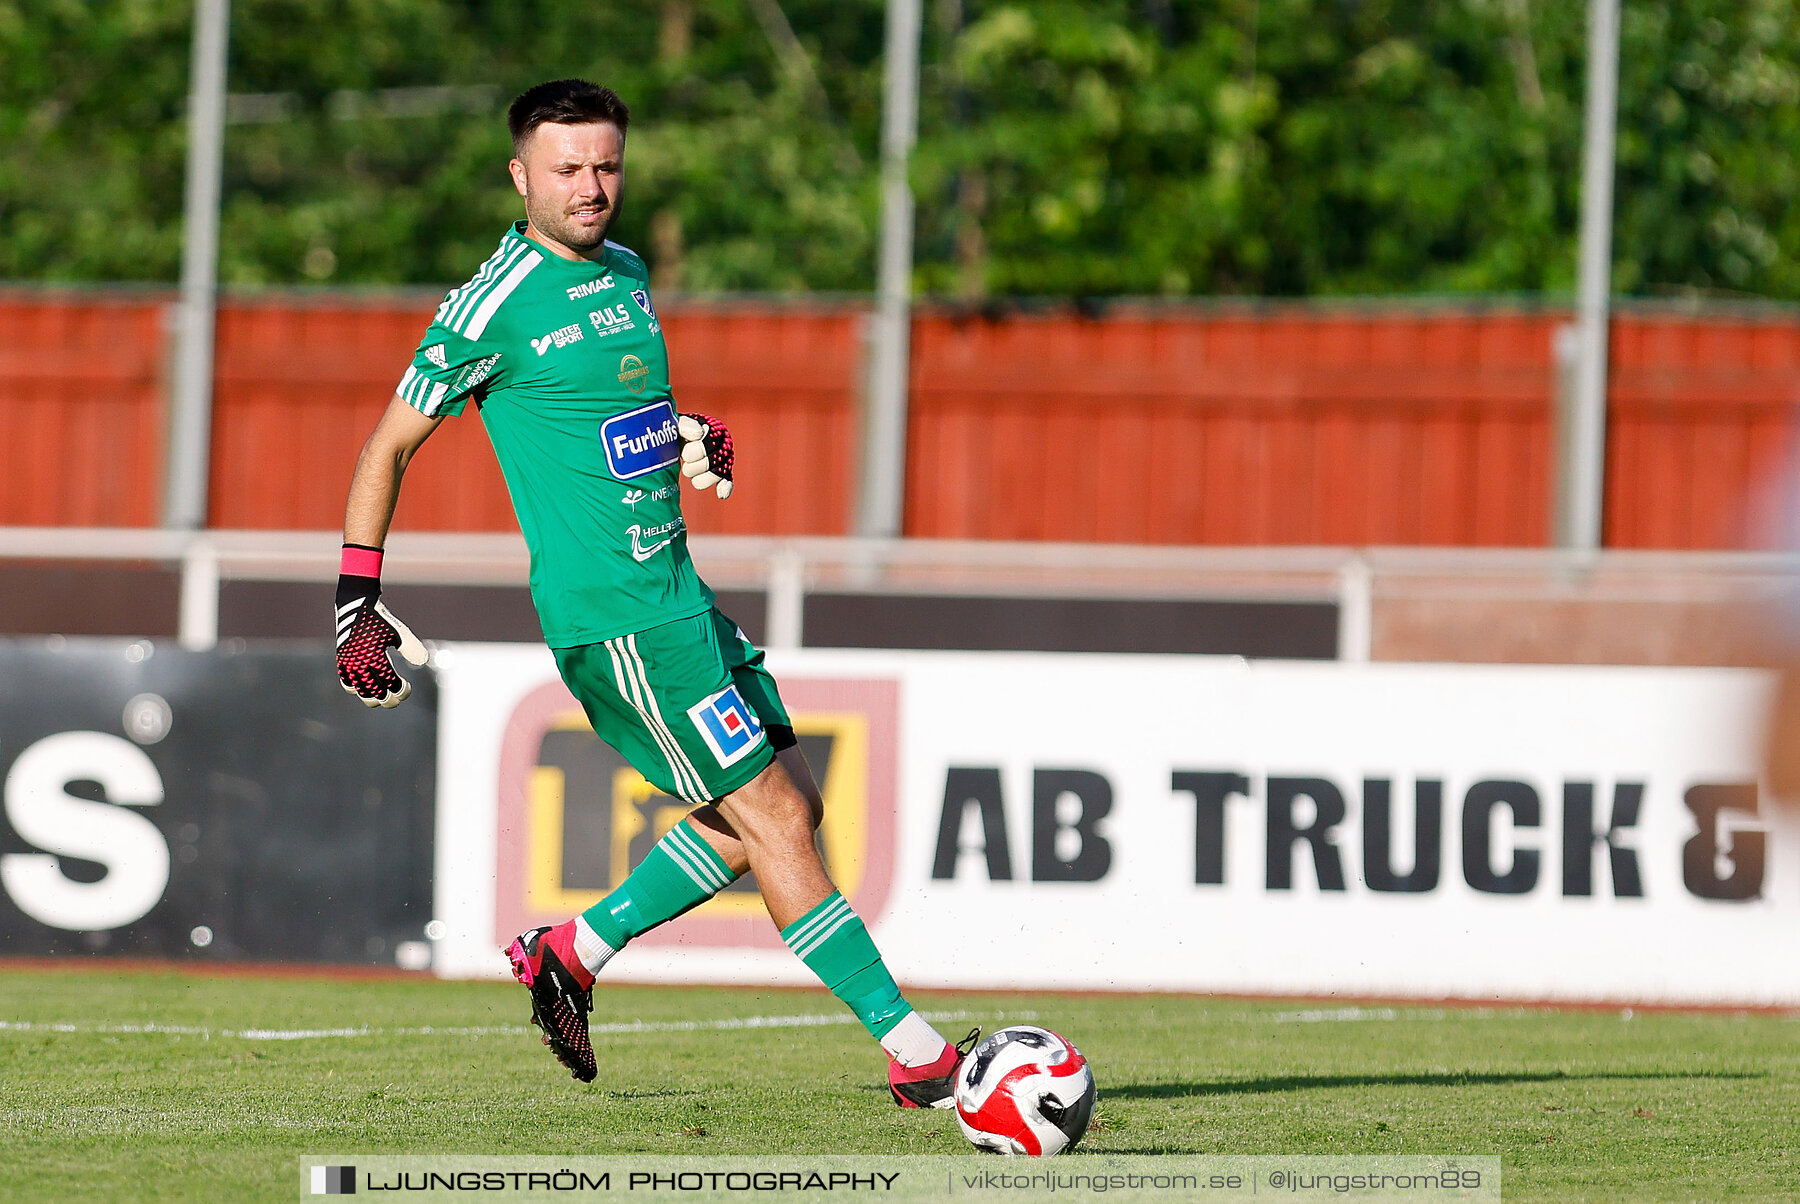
(641, 441)
(642, 297)
(728, 725)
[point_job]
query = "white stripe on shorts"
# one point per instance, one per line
(643, 673)
(629, 688)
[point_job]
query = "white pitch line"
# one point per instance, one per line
(1331, 1015)
(809, 1020)
(26, 1026)
(1353, 1014)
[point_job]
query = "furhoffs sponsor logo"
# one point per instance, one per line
(641, 441)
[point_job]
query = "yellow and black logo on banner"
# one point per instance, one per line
(591, 817)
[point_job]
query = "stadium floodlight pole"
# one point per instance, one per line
(884, 417)
(187, 461)
(1581, 492)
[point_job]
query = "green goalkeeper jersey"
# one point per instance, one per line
(566, 363)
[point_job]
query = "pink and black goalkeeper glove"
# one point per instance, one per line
(366, 631)
(705, 452)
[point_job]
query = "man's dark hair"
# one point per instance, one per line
(564, 102)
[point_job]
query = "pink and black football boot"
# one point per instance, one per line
(932, 1085)
(562, 994)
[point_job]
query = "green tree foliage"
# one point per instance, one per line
(1067, 147)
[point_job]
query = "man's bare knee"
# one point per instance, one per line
(770, 805)
(788, 810)
(793, 762)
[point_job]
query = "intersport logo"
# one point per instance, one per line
(558, 338)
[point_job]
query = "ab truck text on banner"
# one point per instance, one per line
(1409, 831)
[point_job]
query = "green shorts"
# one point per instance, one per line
(687, 703)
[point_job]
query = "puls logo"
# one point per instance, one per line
(558, 338)
(614, 319)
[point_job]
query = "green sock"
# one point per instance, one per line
(677, 875)
(833, 943)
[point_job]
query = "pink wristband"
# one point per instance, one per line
(360, 562)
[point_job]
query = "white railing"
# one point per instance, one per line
(788, 569)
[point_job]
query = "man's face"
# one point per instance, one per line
(572, 178)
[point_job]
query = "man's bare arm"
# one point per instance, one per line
(375, 487)
(366, 630)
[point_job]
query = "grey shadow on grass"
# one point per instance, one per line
(1447, 1078)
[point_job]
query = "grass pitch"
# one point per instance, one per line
(119, 1084)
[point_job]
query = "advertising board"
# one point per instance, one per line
(225, 805)
(1186, 823)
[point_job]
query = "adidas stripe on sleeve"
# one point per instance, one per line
(455, 357)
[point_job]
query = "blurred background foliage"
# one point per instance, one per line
(1067, 147)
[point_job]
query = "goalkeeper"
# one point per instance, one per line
(556, 342)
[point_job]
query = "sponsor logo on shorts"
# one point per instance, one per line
(614, 319)
(558, 338)
(590, 288)
(435, 353)
(728, 725)
(632, 373)
(641, 441)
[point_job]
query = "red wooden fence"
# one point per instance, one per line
(1278, 425)
(81, 423)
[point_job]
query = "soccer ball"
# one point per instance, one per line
(1024, 1090)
